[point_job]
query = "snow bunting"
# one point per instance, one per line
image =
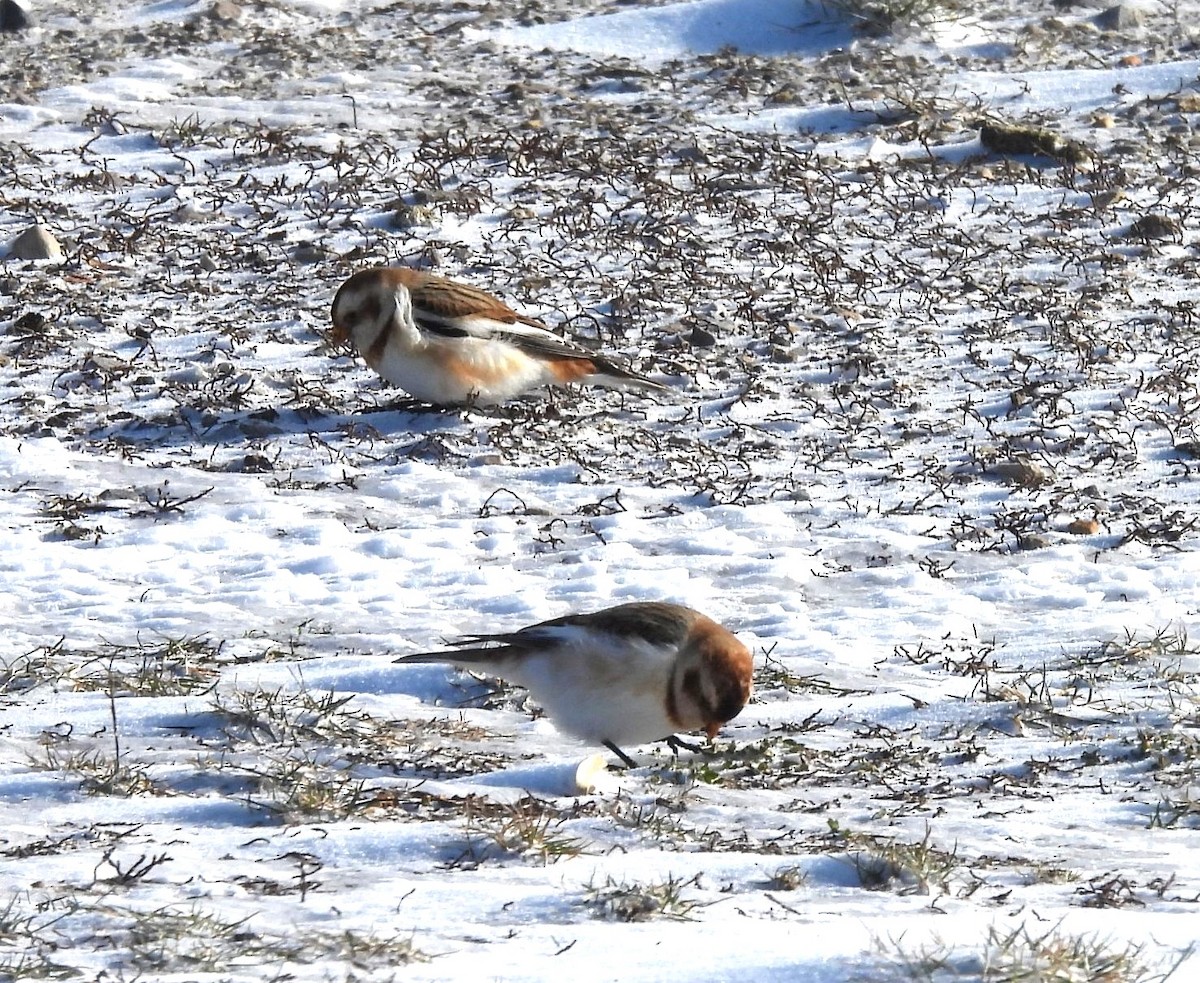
(445, 342)
(629, 674)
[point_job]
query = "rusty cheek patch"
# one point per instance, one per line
(731, 695)
(732, 689)
(374, 352)
(367, 312)
(689, 685)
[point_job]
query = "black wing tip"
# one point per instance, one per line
(482, 648)
(623, 377)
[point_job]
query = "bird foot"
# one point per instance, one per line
(675, 743)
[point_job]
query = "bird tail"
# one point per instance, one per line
(461, 656)
(609, 373)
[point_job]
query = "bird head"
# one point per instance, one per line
(712, 681)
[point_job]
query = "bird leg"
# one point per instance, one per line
(675, 743)
(629, 762)
(401, 404)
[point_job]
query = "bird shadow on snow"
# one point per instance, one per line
(435, 685)
(402, 416)
(413, 430)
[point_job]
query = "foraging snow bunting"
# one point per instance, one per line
(447, 342)
(630, 674)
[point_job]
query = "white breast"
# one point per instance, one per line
(460, 370)
(602, 693)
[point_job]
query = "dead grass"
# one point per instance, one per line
(1025, 955)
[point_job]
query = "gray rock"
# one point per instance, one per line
(310, 252)
(1024, 474)
(414, 217)
(1121, 17)
(224, 10)
(36, 242)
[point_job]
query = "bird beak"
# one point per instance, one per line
(712, 729)
(333, 343)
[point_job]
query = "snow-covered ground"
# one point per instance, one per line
(931, 451)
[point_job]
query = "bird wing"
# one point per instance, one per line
(656, 622)
(525, 334)
(458, 310)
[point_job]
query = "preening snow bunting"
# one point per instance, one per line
(446, 342)
(626, 675)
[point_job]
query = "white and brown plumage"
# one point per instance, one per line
(446, 342)
(627, 675)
